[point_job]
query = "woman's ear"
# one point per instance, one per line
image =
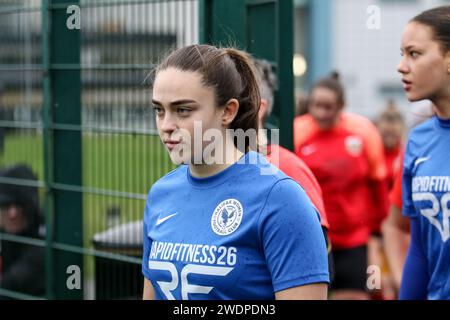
(262, 113)
(230, 111)
(447, 60)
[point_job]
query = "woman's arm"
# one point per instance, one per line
(396, 239)
(149, 293)
(415, 274)
(293, 243)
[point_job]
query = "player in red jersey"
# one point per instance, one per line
(284, 159)
(345, 153)
(391, 125)
(395, 229)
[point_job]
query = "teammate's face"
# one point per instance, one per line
(425, 69)
(391, 132)
(182, 101)
(12, 219)
(324, 107)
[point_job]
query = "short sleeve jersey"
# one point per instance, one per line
(244, 233)
(426, 196)
(297, 169)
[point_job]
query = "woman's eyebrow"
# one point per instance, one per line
(184, 101)
(412, 46)
(176, 103)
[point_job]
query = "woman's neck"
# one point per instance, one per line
(212, 166)
(262, 137)
(442, 105)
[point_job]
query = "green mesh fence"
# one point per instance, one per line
(74, 107)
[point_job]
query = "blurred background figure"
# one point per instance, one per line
(281, 157)
(345, 153)
(22, 265)
(285, 160)
(301, 105)
(391, 125)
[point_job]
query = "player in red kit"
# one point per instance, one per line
(281, 157)
(345, 153)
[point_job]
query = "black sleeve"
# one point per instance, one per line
(27, 274)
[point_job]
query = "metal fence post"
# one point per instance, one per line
(285, 55)
(46, 116)
(249, 25)
(65, 83)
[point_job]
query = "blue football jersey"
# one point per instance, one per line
(426, 195)
(240, 234)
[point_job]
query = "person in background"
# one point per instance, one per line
(391, 125)
(301, 105)
(285, 160)
(22, 265)
(345, 153)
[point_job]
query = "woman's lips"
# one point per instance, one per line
(170, 144)
(407, 85)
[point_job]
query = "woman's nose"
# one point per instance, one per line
(168, 123)
(402, 66)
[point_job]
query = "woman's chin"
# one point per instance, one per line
(177, 159)
(414, 97)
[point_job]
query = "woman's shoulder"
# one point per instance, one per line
(260, 167)
(420, 140)
(170, 179)
(421, 135)
(359, 125)
(426, 127)
(267, 176)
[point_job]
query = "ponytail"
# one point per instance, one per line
(249, 99)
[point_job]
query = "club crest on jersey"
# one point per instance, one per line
(353, 144)
(227, 217)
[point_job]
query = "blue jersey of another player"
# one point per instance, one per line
(238, 234)
(426, 197)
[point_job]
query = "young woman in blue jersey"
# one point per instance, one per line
(224, 229)
(425, 69)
